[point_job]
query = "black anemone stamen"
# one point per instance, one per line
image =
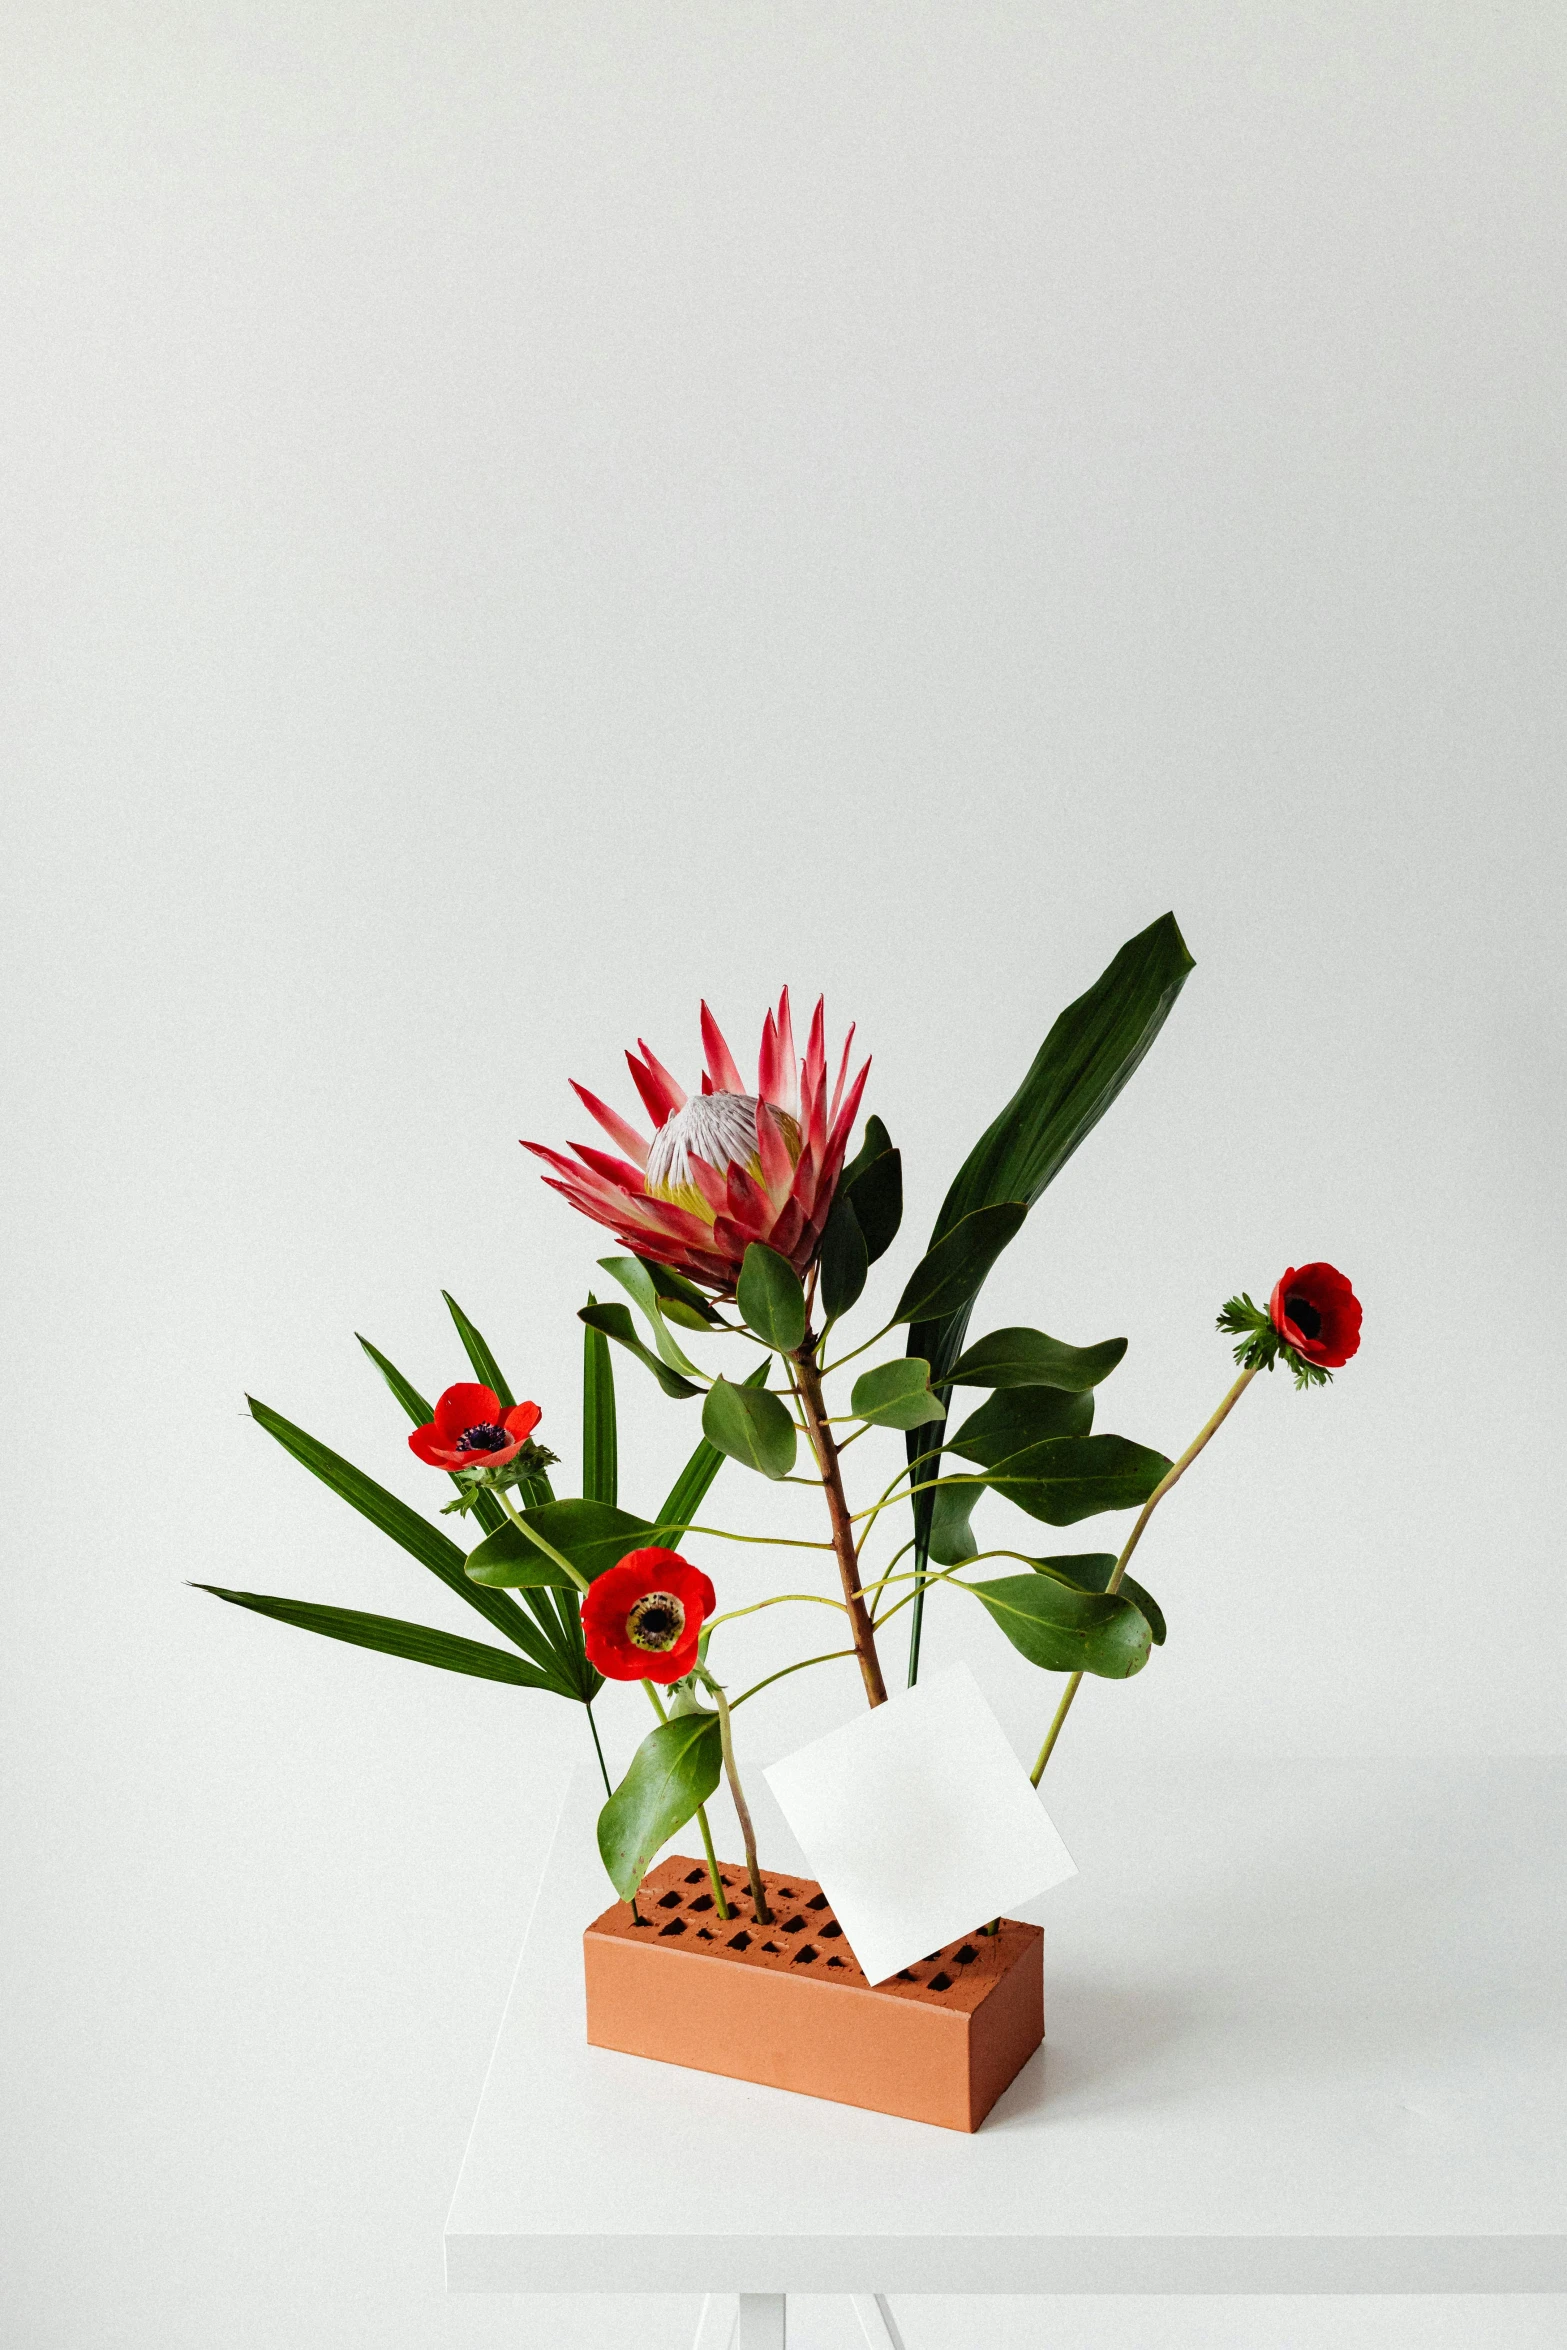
(486, 1437)
(1304, 1315)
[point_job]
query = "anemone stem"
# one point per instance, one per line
(808, 1379)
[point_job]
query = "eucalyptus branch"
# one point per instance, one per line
(779, 1599)
(808, 1381)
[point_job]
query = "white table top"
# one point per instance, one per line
(1307, 2032)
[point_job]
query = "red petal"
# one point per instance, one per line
(620, 1172)
(522, 1419)
(720, 1060)
(773, 1153)
(647, 1085)
(466, 1406)
(426, 1442)
(617, 1128)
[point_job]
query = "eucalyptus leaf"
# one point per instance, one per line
(418, 1642)
(1064, 1630)
(1076, 1477)
(1019, 1416)
(1092, 1572)
(770, 1298)
(751, 1425)
(593, 1535)
(844, 1260)
(637, 1281)
(896, 1395)
(945, 1281)
(690, 1488)
(616, 1323)
(873, 1184)
(951, 1536)
(1027, 1358)
(675, 1769)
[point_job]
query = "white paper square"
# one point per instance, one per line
(920, 1822)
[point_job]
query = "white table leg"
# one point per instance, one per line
(877, 2322)
(715, 2328)
(762, 2322)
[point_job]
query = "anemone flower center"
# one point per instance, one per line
(657, 1621)
(719, 1128)
(1304, 1315)
(485, 1438)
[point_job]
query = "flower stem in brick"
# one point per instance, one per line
(764, 1916)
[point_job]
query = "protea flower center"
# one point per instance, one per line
(719, 1128)
(657, 1621)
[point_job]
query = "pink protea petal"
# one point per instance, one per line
(843, 1071)
(815, 1071)
(720, 1060)
(788, 1095)
(617, 1128)
(708, 1182)
(647, 1085)
(748, 1203)
(843, 1124)
(769, 1068)
(788, 1225)
(616, 1171)
(773, 1153)
(674, 1091)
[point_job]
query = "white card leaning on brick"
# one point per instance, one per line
(920, 1822)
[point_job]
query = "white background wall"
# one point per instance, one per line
(516, 517)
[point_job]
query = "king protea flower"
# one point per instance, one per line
(725, 1166)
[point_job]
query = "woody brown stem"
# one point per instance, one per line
(813, 1404)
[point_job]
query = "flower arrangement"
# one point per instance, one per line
(749, 1231)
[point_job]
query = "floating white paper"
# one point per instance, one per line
(920, 1822)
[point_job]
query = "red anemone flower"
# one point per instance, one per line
(642, 1620)
(725, 1167)
(1315, 1311)
(470, 1430)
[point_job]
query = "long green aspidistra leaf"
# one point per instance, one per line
(417, 1536)
(600, 1441)
(485, 1368)
(421, 1644)
(1089, 1054)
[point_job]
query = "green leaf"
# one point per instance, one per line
(616, 1323)
(1078, 1476)
(951, 1536)
(485, 1368)
(418, 1642)
(1086, 1059)
(896, 1395)
(600, 1445)
(770, 1298)
(872, 1182)
(417, 1536)
(1092, 1572)
(844, 1258)
(681, 1300)
(594, 1535)
(1019, 1416)
(413, 1403)
(751, 1425)
(690, 1488)
(1064, 1630)
(1027, 1358)
(637, 1281)
(675, 1769)
(944, 1282)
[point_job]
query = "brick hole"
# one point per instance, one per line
(772, 1946)
(740, 1941)
(937, 1982)
(786, 1893)
(804, 1957)
(820, 1902)
(641, 1921)
(835, 1962)
(967, 1955)
(675, 1926)
(831, 1932)
(905, 1977)
(705, 1901)
(671, 1900)
(696, 1876)
(792, 1926)
(704, 1934)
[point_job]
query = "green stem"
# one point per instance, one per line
(539, 1543)
(598, 1750)
(714, 1878)
(764, 1916)
(1172, 1476)
(756, 1688)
